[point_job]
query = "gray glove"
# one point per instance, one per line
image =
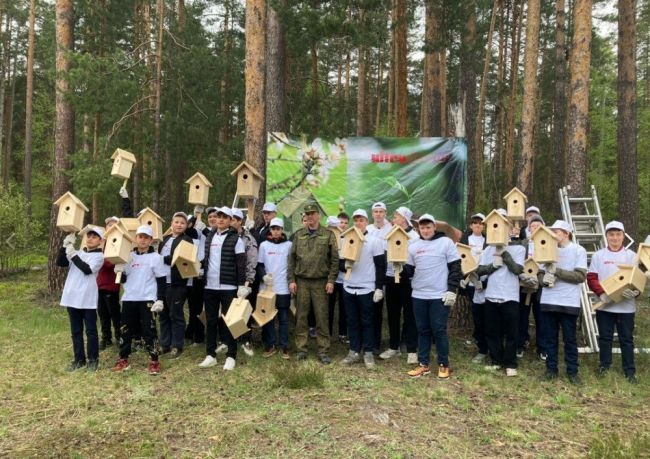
(243, 291)
(198, 209)
(119, 268)
(349, 264)
(464, 282)
(378, 295)
(124, 193)
(528, 281)
(605, 298)
(157, 306)
(398, 267)
(549, 279)
(630, 294)
(267, 279)
(449, 299)
(550, 268)
(199, 225)
(499, 249)
(498, 261)
(249, 224)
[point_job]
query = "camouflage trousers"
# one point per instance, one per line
(312, 292)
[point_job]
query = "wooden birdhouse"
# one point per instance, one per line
(397, 241)
(516, 204)
(265, 310)
(627, 277)
(150, 218)
(168, 232)
(545, 243)
(123, 162)
(497, 229)
(117, 245)
(236, 318)
(531, 268)
(129, 225)
(468, 263)
(644, 255)
(248, 181)
(71, 213)
(186, 259)
(352, 244)
(84, 235)
(199, 189)
(337, 234)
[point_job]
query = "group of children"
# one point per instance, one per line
(238, 260)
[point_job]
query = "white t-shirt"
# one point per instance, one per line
(363, 270)
(166, 251)
(275, 258)
(214, 268)
(379, 233)
(430, 259)
(80, 290)
(571, 257)
(413, 236)
(605, 263)
(502, 285)
(141, 273)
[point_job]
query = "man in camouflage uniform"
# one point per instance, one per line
(312, 271)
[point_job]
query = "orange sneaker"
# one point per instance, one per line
(418, 371)
(121, 365)
(443, 372)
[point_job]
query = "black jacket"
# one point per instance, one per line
(176, 278)
(233, 266)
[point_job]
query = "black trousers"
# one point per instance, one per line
(332, 300)
(195, 330)
(172, 317)
(377, 322)
(215, 299)
(398, 304)
(137, 316)
(80, 318)
(501, 330)
(108, 309)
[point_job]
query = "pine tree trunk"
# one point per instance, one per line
(390, 110)
(96, 128)
(579, 65)
(29, 107)
(443, 93)
(401, 88)
(514, 85)
(181, 15)
(499, 113)
(559, 97)
(224, 132)
(362, 85)
(380, 82)
(63, 134)
(4, 77)
(255, 72)
(276, 93)
(526, 167)
(431, 119)
(628, 185)
(10, 120)
(155, 196)
(468, 95)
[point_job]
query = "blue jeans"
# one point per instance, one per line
(282, 303)
(78, 319)
(551, 323)
(624, 323)
(431, 321)
(359, 310)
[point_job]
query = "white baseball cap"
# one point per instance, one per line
(237, 213)
(360, 213)
(405, 212)
(111, 219)
(562, 225)
(277, 222)
(144, 229)
(225, 210)
(333, 221)
(502, 212)
(379, 205)
(427, 218)
(533, 209)
(647, 239)
(478, 215)
(98, 230)
(614, 225)
(269, 207)
(180, 214)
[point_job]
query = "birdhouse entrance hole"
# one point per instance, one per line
(398, 242)
(543, 242)
(197, 187)
(67, 208)
(245, 176)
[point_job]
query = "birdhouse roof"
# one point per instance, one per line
(75, 199)
(529, 261)
(396, 230)
(249, 167)
(515, 190)
(148, 209)
(120, 230)
(494, 214)
(354, 231)
(124, 154)
(130, 224)
(463, 247)
(543, 230)
(199, 176)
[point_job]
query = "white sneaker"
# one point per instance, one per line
(208, 362)
(248, 349)
(389, 353)
(230, 364)
(479, 358)
(492, 367)
(369, 360)
(352, 357)
(221, 349)
(412, 358)
(511, 372)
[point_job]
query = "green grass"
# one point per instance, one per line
(273, 408)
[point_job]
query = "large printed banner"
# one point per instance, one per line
(424, 174)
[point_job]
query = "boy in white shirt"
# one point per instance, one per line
(379, 229)
(620, 315)
(434, 265)
(144, 278)
(80, 295)
(361, 291)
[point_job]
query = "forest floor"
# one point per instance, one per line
(334, 411)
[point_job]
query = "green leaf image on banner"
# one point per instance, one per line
(424, 174)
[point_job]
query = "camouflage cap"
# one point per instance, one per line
(310, 207)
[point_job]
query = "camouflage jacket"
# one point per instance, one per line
(313, 256)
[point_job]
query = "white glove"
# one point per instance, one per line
(498, 261)
(157, 306)
(550, 267)
(478, 285)
(449, 298)
(528, 281)
(199, 226)
(464, 282)
(605, 298)
(243, 291)
(630, 294)
(267, 279)
(201, 272)
(378, 295)
(70, 251)
(124, 193)
(119, 268)
(548, 280)
(199, 209)
(70, 239)
(249, 224)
